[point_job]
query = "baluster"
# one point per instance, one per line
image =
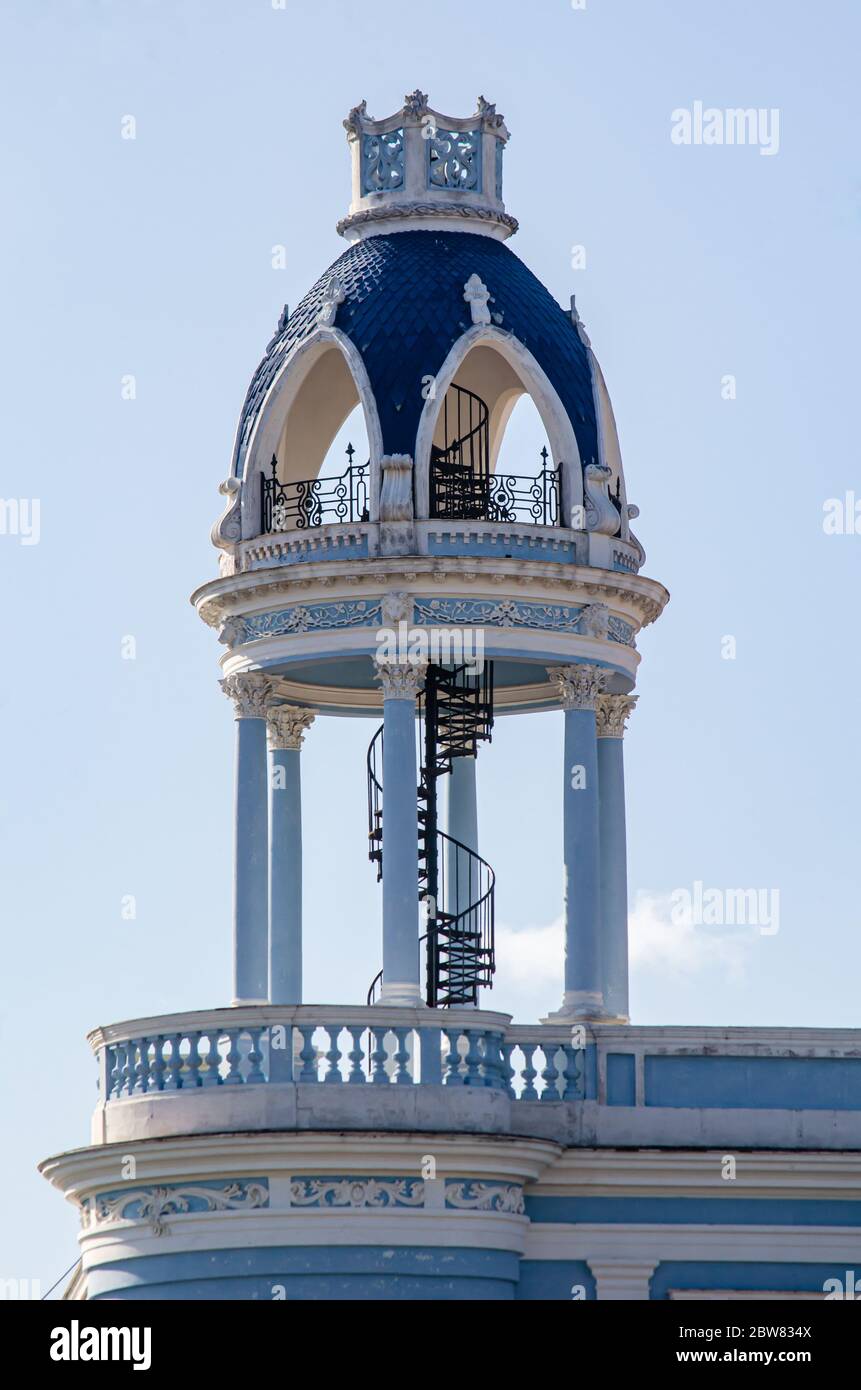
(308, 1055)
(494, 1075)
(116, 1072)
(452, 1075)
(508, 1070)
(402, 1057)
(156, 1071)
(255, 1057)
(191, 1075)
(140, 1047)
(550, 1075)
(209, 1072)
(379, 1057)
(333, 1056)
(233, 1058)
(172, 1081)
(473, 1059)
(356, 1056)
(571, 1074)
(529, 1073)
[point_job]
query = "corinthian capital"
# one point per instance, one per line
(249, 691)
(401, 680)
(286, 726)
(611, 714)
(579, 686)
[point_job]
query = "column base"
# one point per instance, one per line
(582, 1006)
(247, 1003)
(401, 996)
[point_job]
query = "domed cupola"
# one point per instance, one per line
(428, 576)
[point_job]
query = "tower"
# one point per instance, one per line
(404, 1145)
(435, 328)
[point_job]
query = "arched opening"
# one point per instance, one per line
(491, 390)
(318, 468)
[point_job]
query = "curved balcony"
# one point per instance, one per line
(469, 1071)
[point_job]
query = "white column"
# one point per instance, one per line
(401, 969)
(612, 712)
(286, 726)
(579, 687)
(249, 692)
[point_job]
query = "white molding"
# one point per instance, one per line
(321, 1227)
(696, 1174)
(700, 1243)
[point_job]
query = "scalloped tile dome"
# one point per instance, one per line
(404, 310)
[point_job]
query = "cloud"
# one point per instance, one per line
(656, 942)
(530, 960)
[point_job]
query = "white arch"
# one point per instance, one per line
(281, 395)
(554, 417)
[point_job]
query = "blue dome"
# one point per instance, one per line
(404, 310)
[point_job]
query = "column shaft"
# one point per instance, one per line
(582, 902)
(251, 898)
(614, 876)
(285, 876)
(400, 853)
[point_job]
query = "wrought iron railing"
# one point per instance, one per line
(504, 497)
(313, 501)
(518, 497)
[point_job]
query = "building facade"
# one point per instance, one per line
(417, 1144)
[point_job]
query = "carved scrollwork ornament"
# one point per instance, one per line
(287, 725)
(579, 685)
(612, 713)
(249, 691)
(401, 680)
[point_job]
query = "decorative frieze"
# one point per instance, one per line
(358, 1193)
(612, 713)
(485, 1196)
(579, 685)
(249, 691)
(153, 1204)
(286, 726)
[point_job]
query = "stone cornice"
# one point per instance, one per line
(445, 207)
(219, 598)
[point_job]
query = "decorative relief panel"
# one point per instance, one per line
(316, 617)
(485, 1196)
(357, 1192)
(454, 160)
(383, 162)
(153, 1204)
(552, 617)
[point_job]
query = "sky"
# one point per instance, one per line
(721, 296)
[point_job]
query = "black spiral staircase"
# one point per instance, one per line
(460, 466)
(455, 885)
